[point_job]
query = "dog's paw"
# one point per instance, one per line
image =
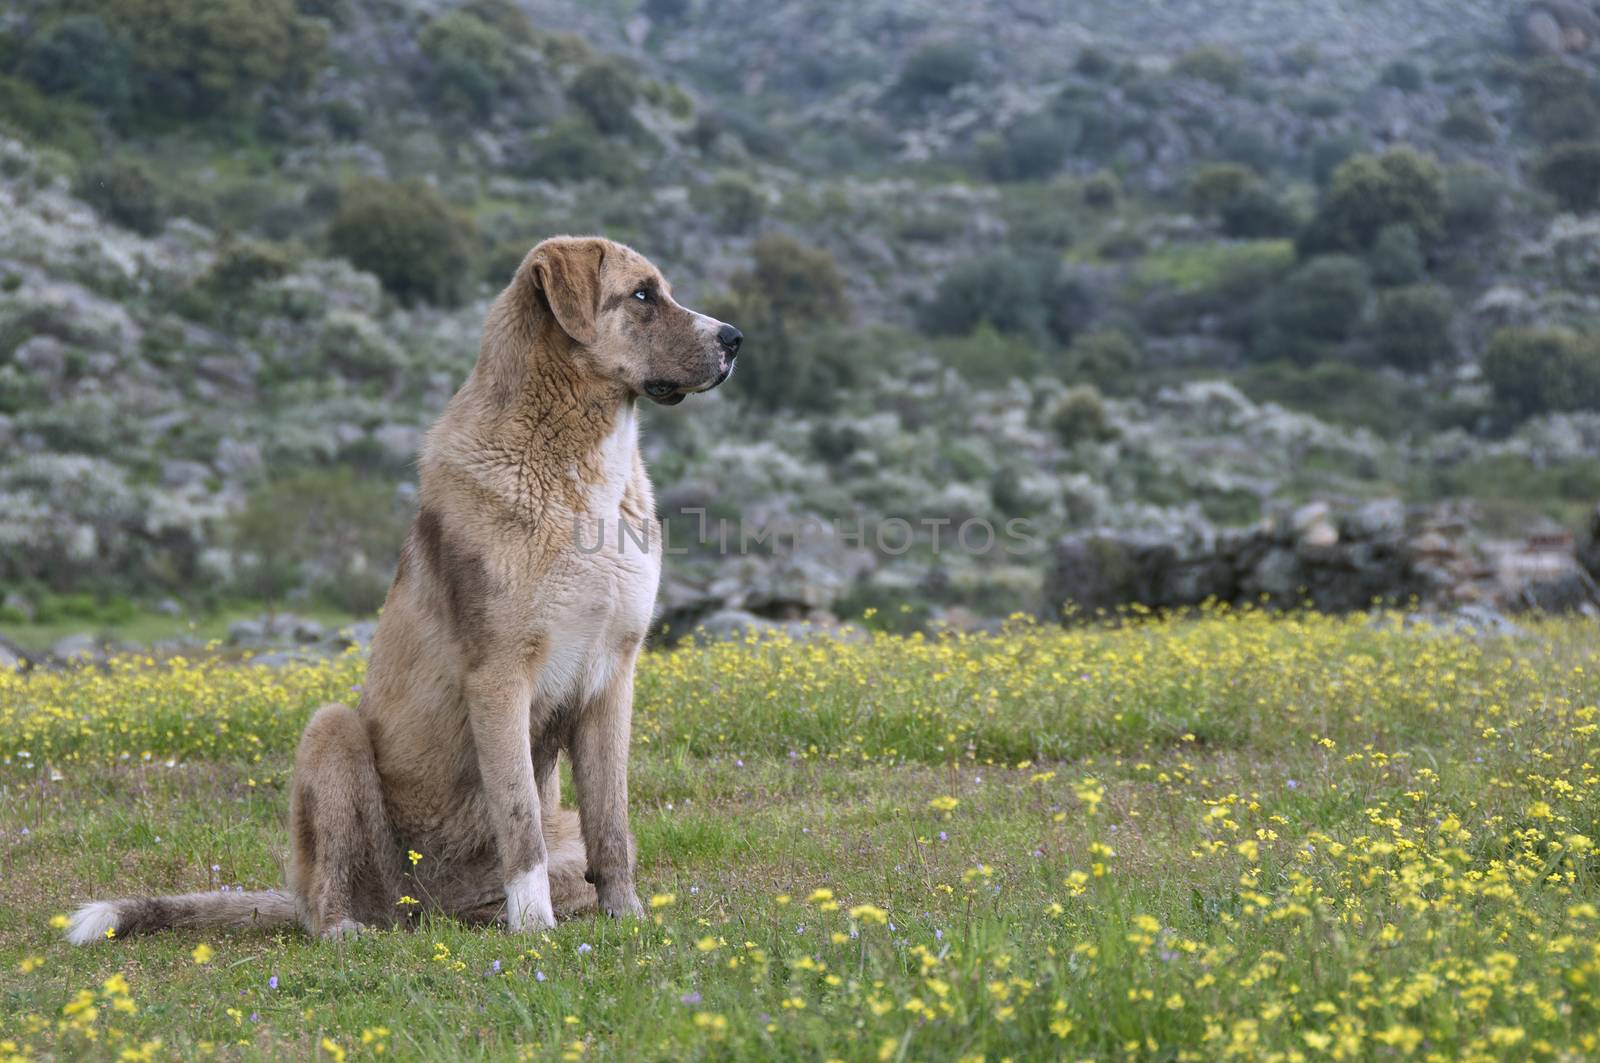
(344, 928)
(621, 903)
(528, 901)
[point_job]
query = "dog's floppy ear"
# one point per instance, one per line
(567, 270)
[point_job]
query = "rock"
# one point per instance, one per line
(1541, 33)
(75, 648)
(11, 655)
(169, 607)
(1384, 518)
(246, 633)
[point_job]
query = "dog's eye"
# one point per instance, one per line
(643, 295)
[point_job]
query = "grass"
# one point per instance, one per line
(1234, 837)
(147, 627)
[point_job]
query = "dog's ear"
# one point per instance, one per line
(567, 270)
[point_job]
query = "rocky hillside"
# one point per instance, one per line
(1162, 269)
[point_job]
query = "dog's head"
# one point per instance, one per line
(623, 321)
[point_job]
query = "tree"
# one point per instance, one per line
(1215, 185)
(937, 69)
(83, 58)
(1368, 193)
(1317, 307)
(790, 300)
(1570, 171)
(470, 63)
(1542, 370)
(204, 57)
(1412, 330)
(999, 288)
(407, 235)
(1558, 101)
(606, 91)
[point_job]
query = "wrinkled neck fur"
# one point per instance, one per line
(532, 424)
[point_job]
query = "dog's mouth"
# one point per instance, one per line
(670, 392)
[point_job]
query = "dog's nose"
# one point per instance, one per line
(730, 338)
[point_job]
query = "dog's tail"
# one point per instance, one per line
(100, 920)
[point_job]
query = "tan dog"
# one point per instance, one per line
(504, 639)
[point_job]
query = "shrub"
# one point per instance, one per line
(204, 57)
(1412, 330)
(998, 288)
(470, 64)
(124, 191)
(1031, 148)
(1473, 198)
(1080, 416)
(82, 58)
(242, 264)
(1101, 190)
(1318, 306)
(1570, 171)
(1257, 214)
(1093, 63)
(331, 529)
(1558, 101)
(790, 297)
(1542, 370)
(1405, 75)
(574, 150)
(1108, 359)
(937, 68)
(1399, 187)
(1213, 63)
(734, 203)
(1396, 256)
(417, 244)
(988, 356)
(1215, 185)
(1468, 122)
(605, 91)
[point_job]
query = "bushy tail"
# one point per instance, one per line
(100, 920)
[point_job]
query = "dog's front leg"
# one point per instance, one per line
(498, 707)
(600, 738)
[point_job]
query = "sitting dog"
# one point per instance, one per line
(507, 636)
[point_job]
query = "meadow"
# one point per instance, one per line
(1236, 837)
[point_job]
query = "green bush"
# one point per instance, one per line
(574, 150)
(999, 288)
(1368, 193)
(470, 64)
(1558, 101)
(1213, 63)
(1101, 190)
(417, 244)
(1405, 75)
(1257, 214)
(1316, 308)
(1570, 171)
(82, 58)
(332, 530)
(1031, 148)
(124, 190)
(988, 356)
(1215, 185)
(788, 300)
(1542, 370)
(47, 120)
(734, 203)
(937, 68)
(205, 57)
(1412, 329)
(1468, 122)
(1396, 256)
(1108, 358)
(605, 91)
(1474, 197)
(1080, 416)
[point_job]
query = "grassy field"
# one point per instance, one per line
(1232, 838)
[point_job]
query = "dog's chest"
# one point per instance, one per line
(597, 612)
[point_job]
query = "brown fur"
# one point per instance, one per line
(500, 643)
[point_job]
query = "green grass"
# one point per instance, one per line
(1230, 838)
(147, 627)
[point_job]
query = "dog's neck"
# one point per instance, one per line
(532, 427)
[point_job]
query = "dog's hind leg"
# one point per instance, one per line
(345, 865)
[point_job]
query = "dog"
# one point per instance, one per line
(503, 641)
